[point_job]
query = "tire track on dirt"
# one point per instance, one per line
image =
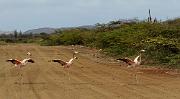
(89, 79)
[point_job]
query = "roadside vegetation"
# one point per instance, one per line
(161, 40)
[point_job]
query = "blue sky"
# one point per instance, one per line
(30, 14)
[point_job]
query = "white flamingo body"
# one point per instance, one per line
(25, 61)
(136, 61)
(70, 61)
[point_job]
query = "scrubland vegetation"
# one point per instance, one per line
(161, 40)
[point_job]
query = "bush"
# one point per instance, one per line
(160, 40)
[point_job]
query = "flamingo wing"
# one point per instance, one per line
(126, 60)
(14, 61)
(59, 61)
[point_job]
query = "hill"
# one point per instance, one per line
(41, 30)
(52, 30)
(6, 32)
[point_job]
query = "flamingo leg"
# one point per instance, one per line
(69, 75)
(67, 70)
(20, 75)
(136, 76)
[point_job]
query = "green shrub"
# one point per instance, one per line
(160, 40)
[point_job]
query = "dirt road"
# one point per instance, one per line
(89, 77)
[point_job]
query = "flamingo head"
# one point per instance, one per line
(75, 52)
(30, 60)
(142, 50)
(75, 58)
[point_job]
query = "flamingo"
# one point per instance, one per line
(97, 54)
(22, 63)
(19, 64)
(29, 54)
(63, 63)
(133, 63)
(75, 52)
(68, 63)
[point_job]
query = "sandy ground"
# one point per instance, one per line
(90, 77)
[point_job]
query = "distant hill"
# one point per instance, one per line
(52, 30)
(87, 26)
(5, 32)
(83, 27)
(41, 30)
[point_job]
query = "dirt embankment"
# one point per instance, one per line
(90, 76)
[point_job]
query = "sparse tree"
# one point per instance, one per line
(149, 18)
(20, 34)
(15, 34)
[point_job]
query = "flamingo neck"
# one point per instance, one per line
(136, 61)
(70, 61)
